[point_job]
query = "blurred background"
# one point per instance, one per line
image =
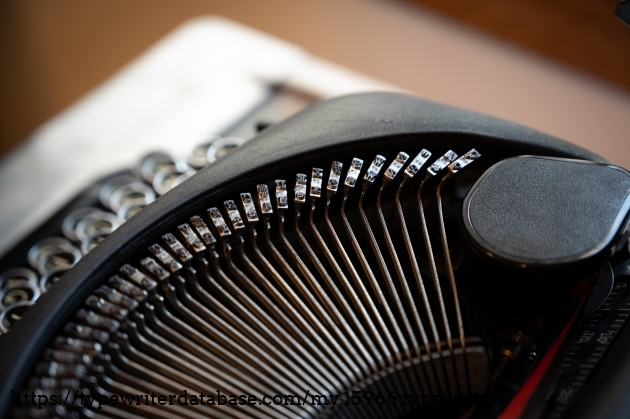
(513, 59)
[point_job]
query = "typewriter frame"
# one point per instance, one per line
(326, 127)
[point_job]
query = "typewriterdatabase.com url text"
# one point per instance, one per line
(219, 398)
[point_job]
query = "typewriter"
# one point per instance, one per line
(371, 255)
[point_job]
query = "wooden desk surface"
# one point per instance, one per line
(54, 52)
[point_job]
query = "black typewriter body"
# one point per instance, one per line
(382, 289)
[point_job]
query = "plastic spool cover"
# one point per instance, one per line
(532, 211)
